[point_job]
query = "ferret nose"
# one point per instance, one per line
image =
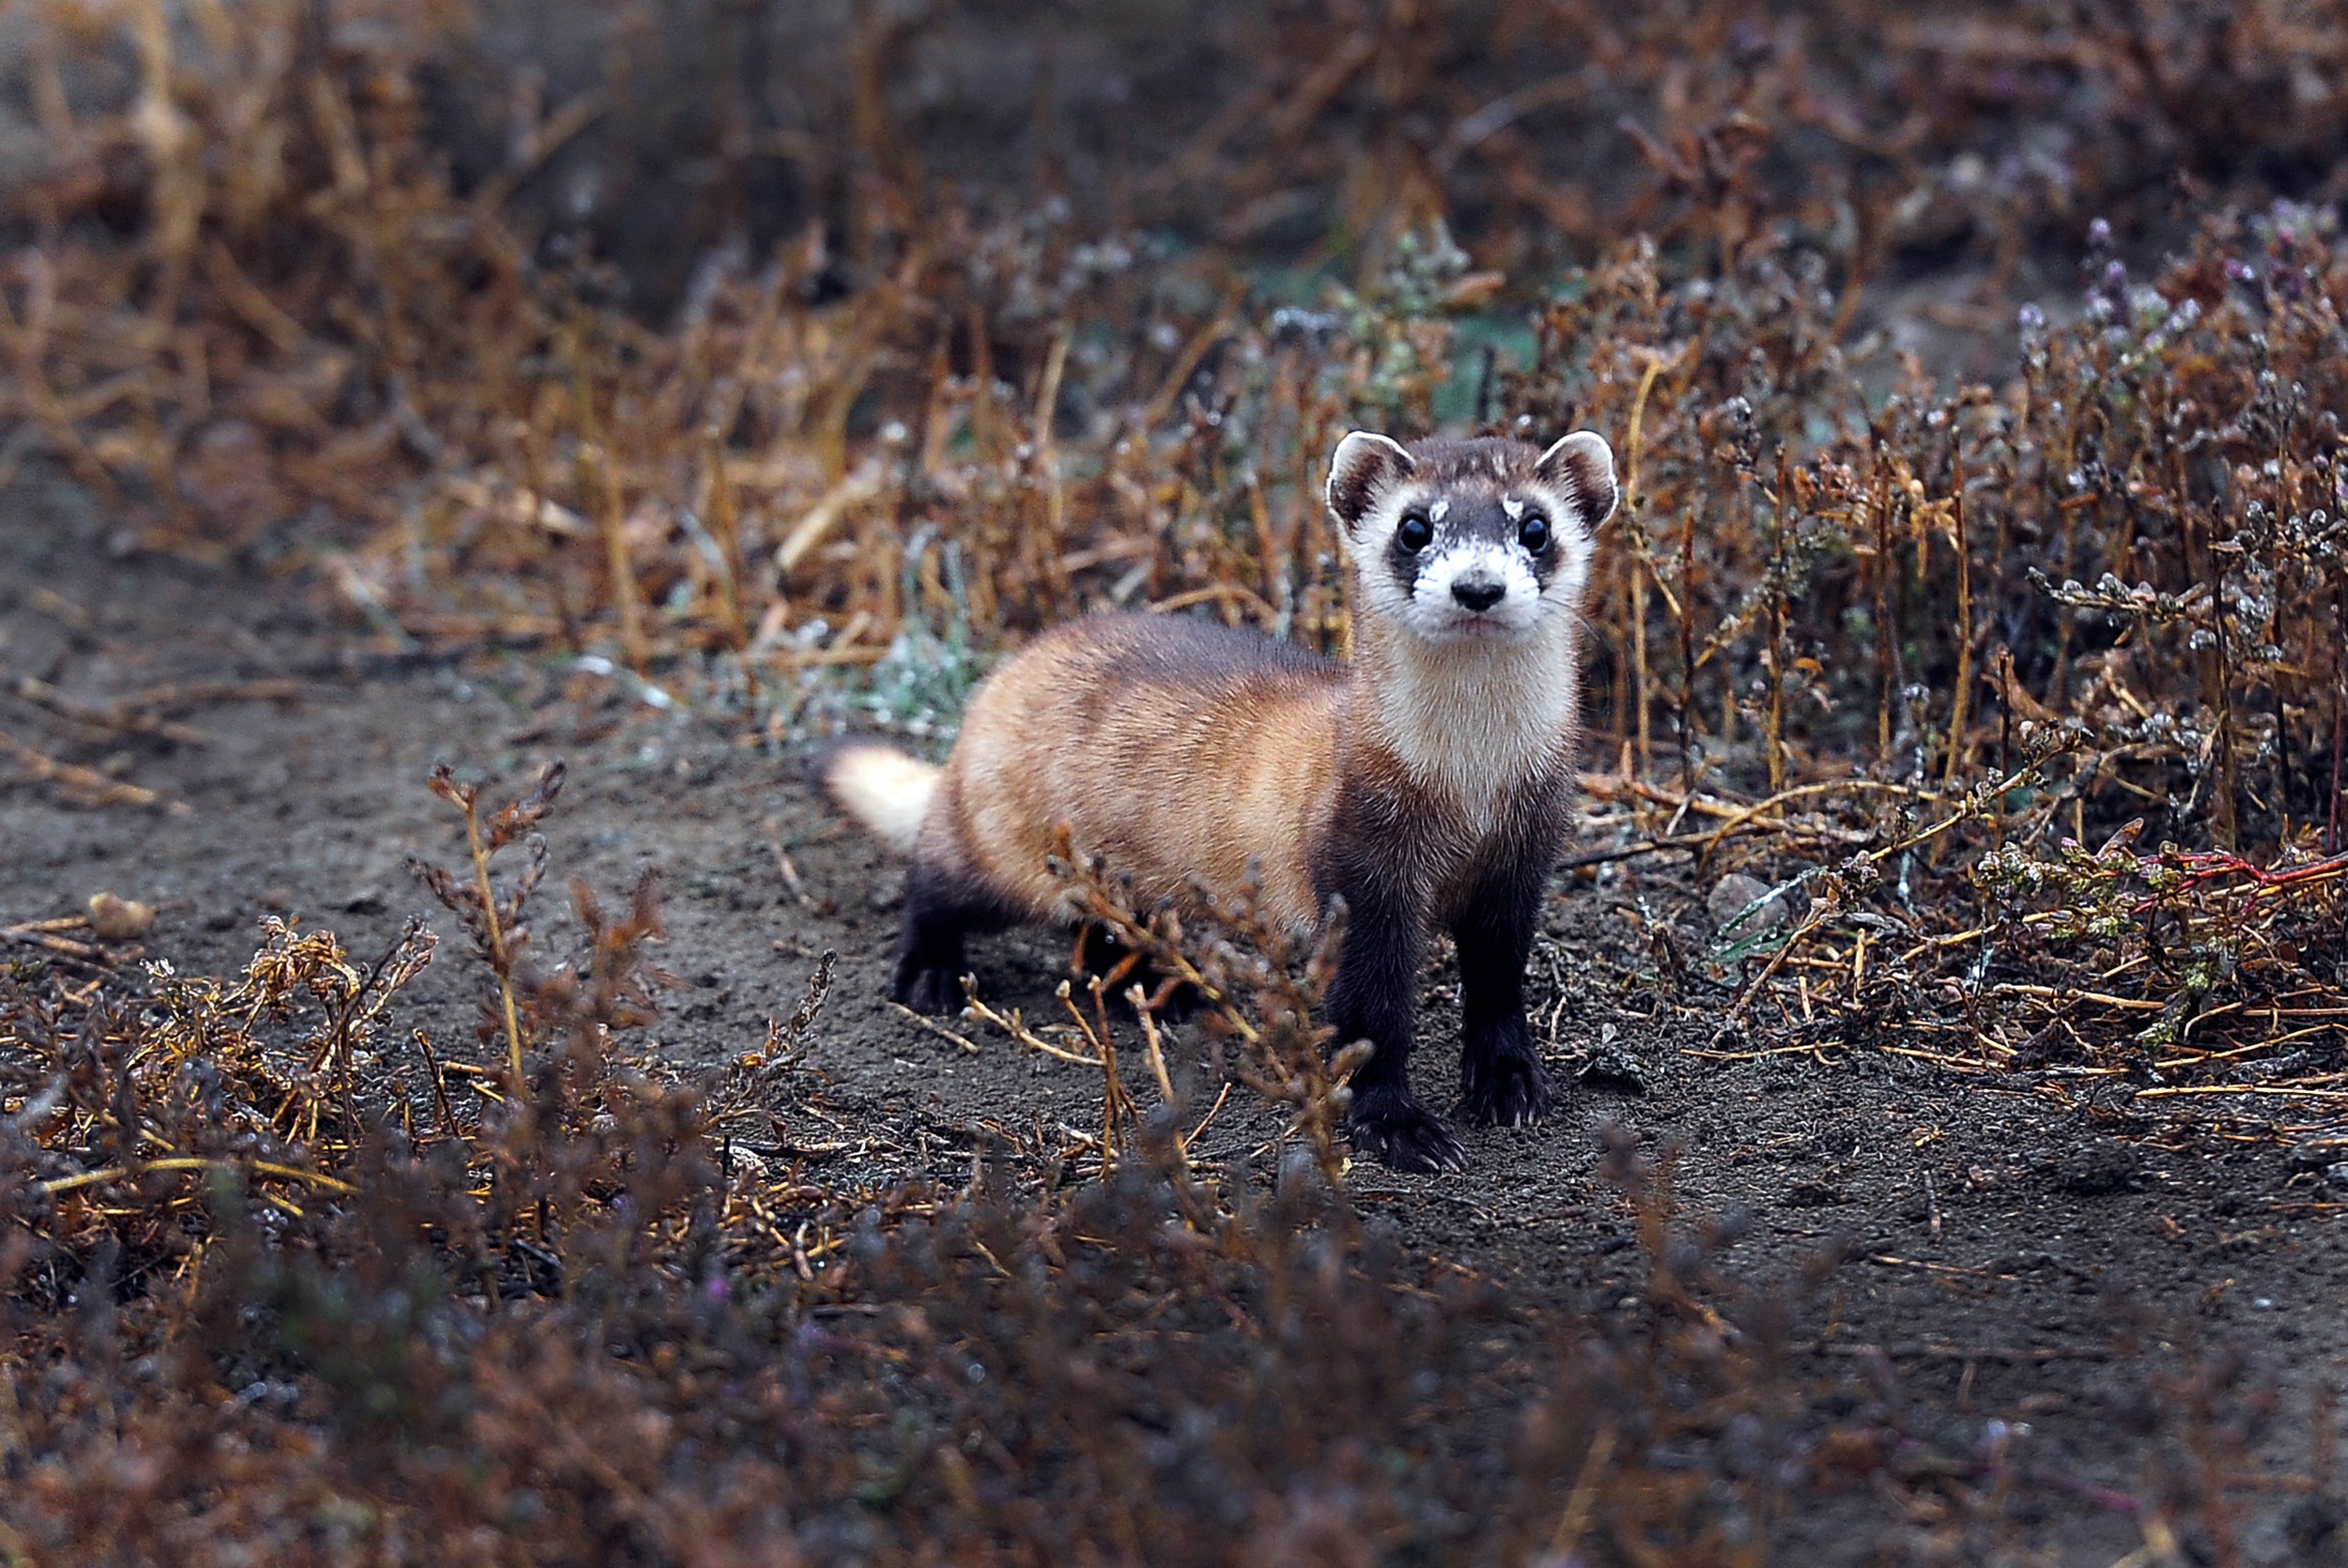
(1477, 592)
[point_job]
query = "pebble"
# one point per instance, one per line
(120, 919)
(1734, 893)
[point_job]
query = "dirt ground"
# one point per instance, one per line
(2011, 1253)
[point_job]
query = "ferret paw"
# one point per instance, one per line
(1503, 1089)
(935, 991)
(1398, 1132)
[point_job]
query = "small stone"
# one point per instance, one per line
(1814, 1194)
(1736, 893)
(1610, 1066)
(2094, 1171)
(120, 919)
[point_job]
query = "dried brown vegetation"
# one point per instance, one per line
(795, 395)
(286, 1281)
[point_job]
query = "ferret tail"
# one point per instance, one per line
(882, 788)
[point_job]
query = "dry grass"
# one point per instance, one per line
(290, 1279)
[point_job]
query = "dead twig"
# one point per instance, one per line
(115, 716)
(86, 784)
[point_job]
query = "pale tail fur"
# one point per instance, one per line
(884, 788)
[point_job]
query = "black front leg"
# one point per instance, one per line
(1501, 1077)
(1372, 998)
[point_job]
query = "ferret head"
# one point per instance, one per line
(1467, 540)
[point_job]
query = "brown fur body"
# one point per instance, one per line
(1177, 748)
(1425, 784)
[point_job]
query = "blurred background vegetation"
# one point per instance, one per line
(1974, 371)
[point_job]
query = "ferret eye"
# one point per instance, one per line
(1534, 533)
(1415, 534)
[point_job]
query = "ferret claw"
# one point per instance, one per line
(1399, 1133)
(1503, 1091)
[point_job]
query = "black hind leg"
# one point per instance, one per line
(930, 963)
(942, 908)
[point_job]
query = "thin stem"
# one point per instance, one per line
(2340, 710)
(498, 960)
(1964, 622)
(1630, 511)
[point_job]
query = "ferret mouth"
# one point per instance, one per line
(1475, 626)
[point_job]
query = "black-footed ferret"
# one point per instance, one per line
(1428, 781)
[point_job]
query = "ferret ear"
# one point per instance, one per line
(1583, 466)
(1364, 465)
